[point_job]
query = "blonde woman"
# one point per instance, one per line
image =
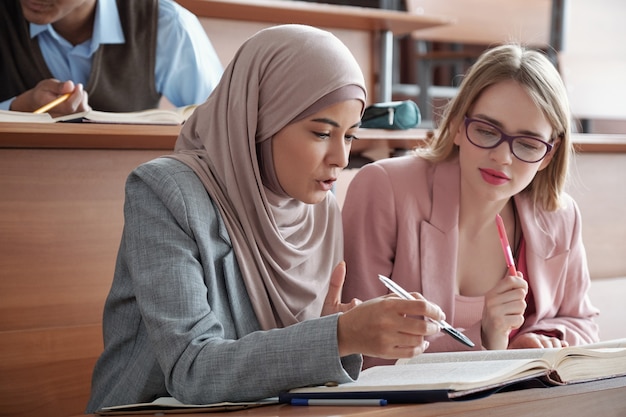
(428, 220)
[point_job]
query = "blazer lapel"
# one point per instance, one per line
(440, 235)
(543, 263)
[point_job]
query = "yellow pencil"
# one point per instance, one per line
(53, 103)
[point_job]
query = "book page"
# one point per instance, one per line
(579, 364)
(455, 376)
(9, 116)
(151, 116)
(165, 405)
(572, 364)
(470, 372)
(550, 354)
(476, 355)
(185, 112)
(613, 343)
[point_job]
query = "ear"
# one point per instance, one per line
(460, 133)
(546, 161)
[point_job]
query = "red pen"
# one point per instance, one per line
(506, 248)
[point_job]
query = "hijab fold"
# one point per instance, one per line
(286, 249)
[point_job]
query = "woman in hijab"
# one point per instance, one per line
(228, 280)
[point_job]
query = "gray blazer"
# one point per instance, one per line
(178, 320)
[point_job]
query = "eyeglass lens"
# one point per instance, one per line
(487, 136)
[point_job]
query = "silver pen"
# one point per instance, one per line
(445, 326)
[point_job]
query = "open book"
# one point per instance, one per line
(432, 377)
(170, 405)
(151, 116)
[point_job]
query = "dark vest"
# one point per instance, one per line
(122, 76)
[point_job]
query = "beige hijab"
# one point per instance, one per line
(286, 250)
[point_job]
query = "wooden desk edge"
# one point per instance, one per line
(111, 136)
(591, 142)
(154, 137)
(321, 15)
(489, 405)
(87, 136)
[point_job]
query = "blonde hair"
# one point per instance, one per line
(533, 71)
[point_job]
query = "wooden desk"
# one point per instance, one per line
(60, 225)
(87, 136)
(314, 14)
(98, 136)
(592, 142)
(603, 398)
(62, 188)
(378, 25)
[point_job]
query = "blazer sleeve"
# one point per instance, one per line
(562, 303)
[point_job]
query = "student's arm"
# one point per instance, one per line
(563, 307)
(195, 307)
(187, 66)
(5, 105)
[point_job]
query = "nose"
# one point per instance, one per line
(502, 153)
(339, 153)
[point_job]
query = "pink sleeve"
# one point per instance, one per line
(563, 305)
(369, 222)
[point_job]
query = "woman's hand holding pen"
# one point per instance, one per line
(388, 327)
(385, 327)
(48, 90)
(505, 305)
(504, 311)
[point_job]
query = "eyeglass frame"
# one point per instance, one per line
(505, 138)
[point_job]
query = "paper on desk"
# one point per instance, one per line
(169, 405)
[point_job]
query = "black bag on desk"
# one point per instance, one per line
(397, 115)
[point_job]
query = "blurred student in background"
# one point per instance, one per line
(110, 55)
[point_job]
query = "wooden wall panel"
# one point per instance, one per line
(60, 224)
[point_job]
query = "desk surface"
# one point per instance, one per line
(322, 15)
(104, 136)
(603, 398)
(87, 136)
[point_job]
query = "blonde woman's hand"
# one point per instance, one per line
(504, 311)
(535, 340)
